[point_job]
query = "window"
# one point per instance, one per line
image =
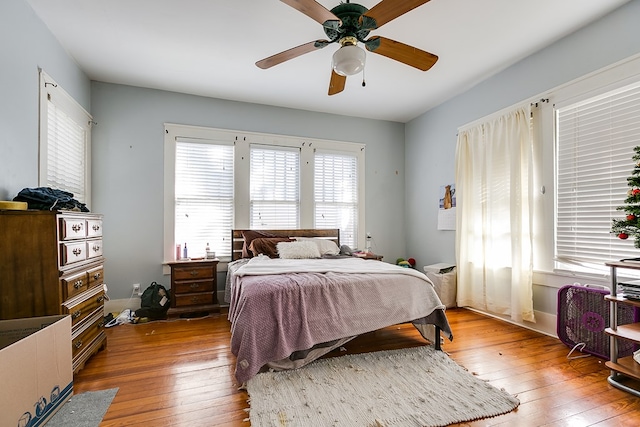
(217, 180)
(203, 195)
(275, 187)
(595, 141)
(336, 194)
(65, 142)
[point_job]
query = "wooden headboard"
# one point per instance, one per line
(237, 240)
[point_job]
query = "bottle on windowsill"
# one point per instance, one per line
(184, 251)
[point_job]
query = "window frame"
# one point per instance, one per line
(50, 89)
(597, 83)
(242, 142)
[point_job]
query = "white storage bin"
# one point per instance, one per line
(446, 284)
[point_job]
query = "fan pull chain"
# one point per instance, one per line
(363, 82)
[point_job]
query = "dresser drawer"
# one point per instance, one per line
(94, 228)
(193, 272)
(74, 285)
(82, 338)
(96, 276)
(187, 300)
(193, 286)
(84, 304)
(72, 252)
(72, 228)
(94, 248)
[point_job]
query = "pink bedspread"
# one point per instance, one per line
(274, 314)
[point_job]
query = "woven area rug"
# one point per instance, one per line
(84, 409)
(409, 387)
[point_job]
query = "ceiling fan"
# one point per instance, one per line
(350, 24)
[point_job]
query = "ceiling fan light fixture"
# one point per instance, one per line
(348, 60)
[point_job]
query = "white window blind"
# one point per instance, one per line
(64, 141)
(595, 141)
(203, 196)
(275, 187)
(336, 194)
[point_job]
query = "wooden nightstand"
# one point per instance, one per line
(194, 287)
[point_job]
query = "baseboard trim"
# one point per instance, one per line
(133, 303)
(546, 323)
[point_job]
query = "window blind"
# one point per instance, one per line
(274, 187)
(66, 152)
(204, 196)
(595, 141)
(336, 194)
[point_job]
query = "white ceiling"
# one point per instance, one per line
(209, 48)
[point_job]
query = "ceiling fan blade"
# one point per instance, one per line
(401, 52)
(294, 52)
(337, 83)
(388, 10)
(315, 11)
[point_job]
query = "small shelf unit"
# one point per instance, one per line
(622, 367)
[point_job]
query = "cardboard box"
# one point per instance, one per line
(35, 361)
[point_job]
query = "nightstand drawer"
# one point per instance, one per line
(193, 287)
(193, 272)
(188, 300)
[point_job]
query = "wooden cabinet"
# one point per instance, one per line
(194, 287)
(52, 263)
(622, 367)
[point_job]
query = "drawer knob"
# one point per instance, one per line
(96, 248)
(77, 284)
(77, 251)
(76, 314)
(96, 276)
(195, 285)
(195, 300)
(100, 298)
(194, 272)
(78, 344)
(76, 227)
(96, 227)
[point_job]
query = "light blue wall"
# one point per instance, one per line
(25, 45)
(128, 168)
(430, 139)
(127, 152)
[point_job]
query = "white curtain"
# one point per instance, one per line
(494, 221)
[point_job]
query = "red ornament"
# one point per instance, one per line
(623, 236)
(412, 262)
(631, 217)
(635, 191)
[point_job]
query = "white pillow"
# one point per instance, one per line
(325, 246)
(298, 250)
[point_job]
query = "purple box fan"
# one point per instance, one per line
(583, 315)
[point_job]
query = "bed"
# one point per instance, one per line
(290, 307)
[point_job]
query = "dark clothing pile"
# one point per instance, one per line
(49, 199)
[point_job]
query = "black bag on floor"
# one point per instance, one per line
(154, 302)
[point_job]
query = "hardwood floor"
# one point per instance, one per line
(180, 373)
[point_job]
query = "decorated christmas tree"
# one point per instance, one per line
(630, 226)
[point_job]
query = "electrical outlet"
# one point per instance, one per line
(136, 288)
